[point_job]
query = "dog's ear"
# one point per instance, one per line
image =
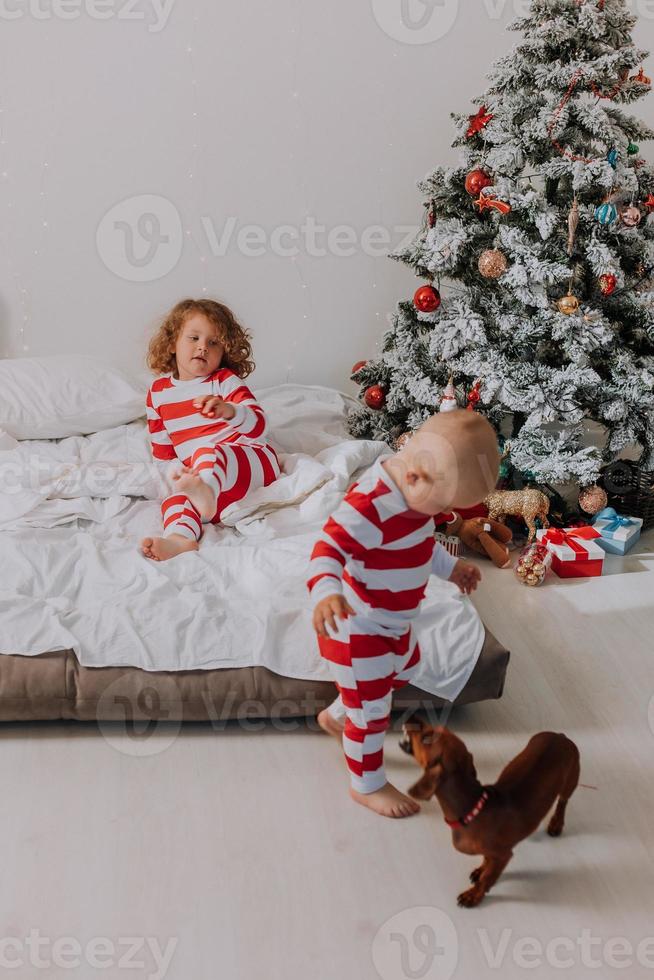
(455, 756)
(416, 722)
(425, 788)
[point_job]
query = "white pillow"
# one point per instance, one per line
(65, 395)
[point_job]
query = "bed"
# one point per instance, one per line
(92, 630)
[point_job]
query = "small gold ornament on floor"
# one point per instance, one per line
(568, 304)
(593, 499)
(533, 565)
(492, 263)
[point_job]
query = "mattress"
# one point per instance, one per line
(52, 686)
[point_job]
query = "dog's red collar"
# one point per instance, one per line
(469, 817)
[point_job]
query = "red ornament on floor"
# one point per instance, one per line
(608, 283)
(476, 181)
(427, 299)
(375, 397)
(357, 367)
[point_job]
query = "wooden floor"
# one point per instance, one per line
(241, 854)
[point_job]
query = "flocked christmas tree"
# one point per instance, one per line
(543, 245)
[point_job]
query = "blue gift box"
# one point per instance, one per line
(619, 534)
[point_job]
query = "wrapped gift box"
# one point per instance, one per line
(450, 542)
(576, 552)
(619, 534)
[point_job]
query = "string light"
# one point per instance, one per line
(305, 291)
(23, 295)
(193, 169)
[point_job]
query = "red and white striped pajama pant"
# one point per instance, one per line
(367, 667)
(232, 470)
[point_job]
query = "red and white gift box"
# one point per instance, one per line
(575, 551)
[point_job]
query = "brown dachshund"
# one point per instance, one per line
(491, 820)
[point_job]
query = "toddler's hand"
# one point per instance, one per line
(215, 407)
(327, 609)
(466, 576)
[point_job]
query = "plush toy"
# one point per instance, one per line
(528, 504)
(485, 536)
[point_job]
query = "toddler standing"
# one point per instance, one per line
(201, 414)
(369, 572)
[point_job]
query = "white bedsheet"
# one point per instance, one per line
(80, 582)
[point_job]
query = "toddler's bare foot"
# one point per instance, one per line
(329, 724)
(160, 549)
(201, 496)
(387, 801)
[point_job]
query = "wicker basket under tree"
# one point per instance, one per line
(630, 489)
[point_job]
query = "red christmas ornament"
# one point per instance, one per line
(427, 299)
(474, 396)
(375, 397)
(608, 283)
(476, 181)
(641, 77)
(649, 202)
(357, 367)
(479, 121)
(431, 216)
(486, 203)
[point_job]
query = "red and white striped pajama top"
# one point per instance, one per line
(231, 455)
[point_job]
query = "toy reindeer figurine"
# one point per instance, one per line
(527, 504)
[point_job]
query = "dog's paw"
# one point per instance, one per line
(469, 898)
(476, 874)
(554, 828)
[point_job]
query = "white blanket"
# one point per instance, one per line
(81, 583)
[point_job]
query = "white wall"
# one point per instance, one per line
(258, 112)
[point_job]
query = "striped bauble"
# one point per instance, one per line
(606, 213)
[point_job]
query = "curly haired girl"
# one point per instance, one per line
(201, 414)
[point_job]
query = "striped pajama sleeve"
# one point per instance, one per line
(249, 419)
(160, 442)
(326, 565)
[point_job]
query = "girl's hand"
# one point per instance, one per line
(215, 407)
(326, 611)
(466, 576)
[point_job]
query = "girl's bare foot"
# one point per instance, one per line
(160, 549)
(387, 801)
(201, 496)
(329, 724)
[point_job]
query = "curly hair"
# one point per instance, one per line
(235, 339)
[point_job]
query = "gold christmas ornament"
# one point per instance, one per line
(492, 263)
(533, 564)
(593, 499)
(568, 304)
(631, 216)
(402, 440)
